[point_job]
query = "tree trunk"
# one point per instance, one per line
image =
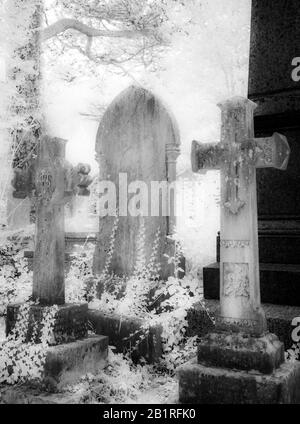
(24, 74)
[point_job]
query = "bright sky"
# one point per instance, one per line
(2, 70)
(199, 72)
(192, 84)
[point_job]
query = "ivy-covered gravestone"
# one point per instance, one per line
(53, 182)
(137, 147)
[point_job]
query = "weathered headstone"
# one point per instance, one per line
(48, 264)
(240, 342)
(53, 182)
(50, 182)
(139, 140)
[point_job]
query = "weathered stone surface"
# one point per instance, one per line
(48, 263)
(28, 395)
(71, 321)
(125, 333)
(199, 322)
(279, 283)
(51, 182)
(66, 363)
(275, 36)
(137, 137)
(75, 239)
(239, 351)
(29, 255)
(280, 205)
(279, 319)
(208, 385)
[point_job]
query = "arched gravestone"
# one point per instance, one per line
(138, 137)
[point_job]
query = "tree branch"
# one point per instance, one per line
(64, 24)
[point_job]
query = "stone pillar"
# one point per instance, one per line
(239, 271)
(48, 268)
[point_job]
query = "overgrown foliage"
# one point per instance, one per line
(144, 295)
(123, 382)
(23, 360)
(15, 278)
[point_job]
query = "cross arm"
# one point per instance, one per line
(206, 156)
(272, 152)
(84, 180)
(77, 179)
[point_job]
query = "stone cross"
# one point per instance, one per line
(237, 156)
(53, 181)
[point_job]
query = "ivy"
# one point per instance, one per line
(21, 360)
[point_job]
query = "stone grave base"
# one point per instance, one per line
(210, 385)
(237, 350)
(70, 325)
(66, 363)
(72, 353)
(124, 333)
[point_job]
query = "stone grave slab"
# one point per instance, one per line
(138, 139)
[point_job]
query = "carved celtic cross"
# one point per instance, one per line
(51, 181)
(237, 156)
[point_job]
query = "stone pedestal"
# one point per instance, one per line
(235, 368)
(212, 385)
(241, 351)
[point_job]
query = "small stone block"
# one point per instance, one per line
(209, 385)
(238, 350)
(71, 321)
(66, 363)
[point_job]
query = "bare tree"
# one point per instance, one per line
(88, 26)
(103, 32)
